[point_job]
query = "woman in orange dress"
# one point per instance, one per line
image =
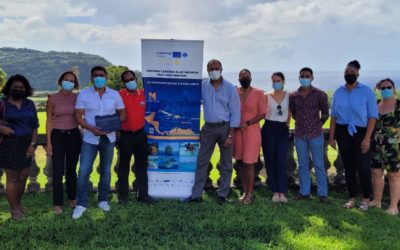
(247, 138)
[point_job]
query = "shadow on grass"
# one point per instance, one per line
(171, 224)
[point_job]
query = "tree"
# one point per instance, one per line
(114, 77)
(3, 78)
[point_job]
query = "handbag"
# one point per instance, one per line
(108, 123)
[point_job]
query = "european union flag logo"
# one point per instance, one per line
(176, 54)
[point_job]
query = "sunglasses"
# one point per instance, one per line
(279, 107)
(388, 87)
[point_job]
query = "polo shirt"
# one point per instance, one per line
(94, 105)
(135, 105)
(24, 120)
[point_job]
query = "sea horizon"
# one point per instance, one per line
(325, 80)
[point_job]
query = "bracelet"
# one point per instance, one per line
(33, 143)
(248, 123)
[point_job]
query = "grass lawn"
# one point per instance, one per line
(171, 224)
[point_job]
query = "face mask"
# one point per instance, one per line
(214, 74)
(132, 85)
(100, 82)
(386, 93)
(18, 93)
(277, 85)
(245, 82)
(67, 85)
(350, 79)
(305, 82)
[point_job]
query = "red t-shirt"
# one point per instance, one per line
(135, 104)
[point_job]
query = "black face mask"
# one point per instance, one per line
(245, 82)
(350, 79)
(17, 93)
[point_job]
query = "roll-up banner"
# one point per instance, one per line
(172, 74)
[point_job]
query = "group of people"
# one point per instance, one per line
(366, 133)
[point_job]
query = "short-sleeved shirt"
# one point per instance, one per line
(222, 104)
(94, 105)
(135, 105)
(354, 108)
(24, 120)
(63, 106)
(310, 112)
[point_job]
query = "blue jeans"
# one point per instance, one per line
(303, 148)
(88, 155)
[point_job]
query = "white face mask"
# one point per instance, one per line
(214, 74)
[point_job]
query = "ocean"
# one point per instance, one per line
(325, 80)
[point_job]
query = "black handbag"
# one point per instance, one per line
(108, 123)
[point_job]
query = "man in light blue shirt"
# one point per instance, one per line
(97, 100)
(221, 105)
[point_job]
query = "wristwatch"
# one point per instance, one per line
(229, 136)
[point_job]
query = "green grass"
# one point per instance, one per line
(171, 224)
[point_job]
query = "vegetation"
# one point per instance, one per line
(43, 68)
(3, 78)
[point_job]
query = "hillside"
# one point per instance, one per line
(43, 68)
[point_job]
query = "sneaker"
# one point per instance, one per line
(78, 212)
(103, 205)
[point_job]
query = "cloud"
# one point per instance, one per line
(256, 34)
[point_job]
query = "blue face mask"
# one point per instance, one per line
(132, 85)
(277, 85)
(100, 82)
(387, 93)
(67, 85)
(304, 82)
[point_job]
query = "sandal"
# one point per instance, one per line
(57, 210)
(374, 204)
(349, 204)
(363, 206)
(17, 215)
(248, 200)
(389, 212)
(241, 198)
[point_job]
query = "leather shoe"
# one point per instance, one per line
(146, 199)
(221, 200)
(323, 200)
(300, 197)
(193, 200)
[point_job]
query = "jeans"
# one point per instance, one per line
(316, 146)
(88, 155)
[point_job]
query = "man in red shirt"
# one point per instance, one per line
(133, 140)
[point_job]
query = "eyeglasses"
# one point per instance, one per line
(279, 107)
(388, 87)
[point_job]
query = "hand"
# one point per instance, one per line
(228, 142)
(6, 130)
(49, 149)
(243, 125)
(31, 151)
(96, 131)
(332, 142)
(365, 144)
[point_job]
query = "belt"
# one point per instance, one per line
(216, 124)
(133, 132)
(66, 131)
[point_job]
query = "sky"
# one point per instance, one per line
(259, 35)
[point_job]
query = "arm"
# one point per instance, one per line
(372, 111)
(122, 114)
(49, 126)
(234, 106)
(31, 149)
(323, 107)
(79, 113)
(332, 133)
(261, 111)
